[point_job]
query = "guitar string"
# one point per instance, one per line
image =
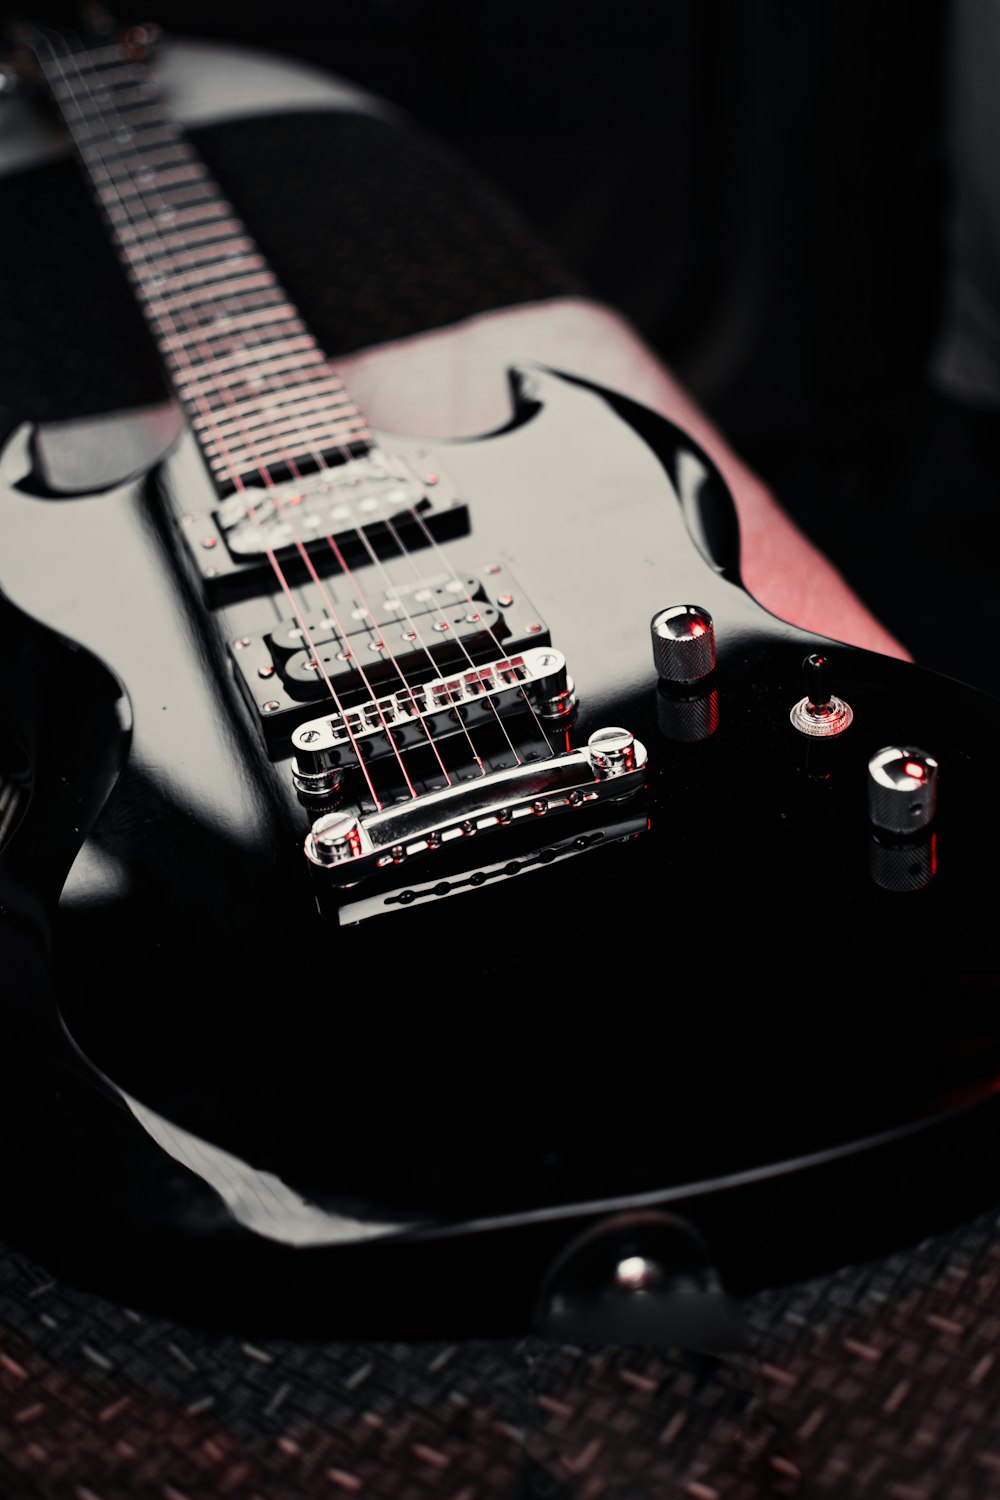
(376, 634)
(168, 318)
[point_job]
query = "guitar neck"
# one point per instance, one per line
(261, 397)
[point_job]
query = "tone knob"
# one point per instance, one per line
(902, 788)
(683, 643)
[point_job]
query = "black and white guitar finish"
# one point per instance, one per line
(344, 781)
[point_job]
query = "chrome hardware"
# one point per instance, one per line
(902, 788)
(820, 714)
(683, 643)
(325, 747)
(338, 840)
(612, 751)
(620, 822)
(355, 846)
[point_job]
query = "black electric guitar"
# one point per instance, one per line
(406, 840)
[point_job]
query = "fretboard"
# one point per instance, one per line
(260, 394)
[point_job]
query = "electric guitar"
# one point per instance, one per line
(352, 784)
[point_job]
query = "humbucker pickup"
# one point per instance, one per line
(412, 716)
(376, 503)
(350, 651)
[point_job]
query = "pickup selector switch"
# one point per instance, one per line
(683, 643)
(902, 789)
(820, 714)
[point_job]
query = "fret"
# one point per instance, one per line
(245, 461)
(186, 193)
(125, 142)
(247, 418)
(253, 356)
(213, 261)
(280, 318)
(210, 240)
(259, 393)
(157, 181)
(190, 382)
(166, 156)
(209, 273)
(227, 427)
(261, 356)
(207, 214)
(214, 314)
(274, 404)
(319, 434)
(159, 303)
(68, 96)
(123, 128)
(216, 235)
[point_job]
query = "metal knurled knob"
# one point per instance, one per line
(902, 788)
(683, 643)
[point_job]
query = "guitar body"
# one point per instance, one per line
(238, 1082)
(360, 1070)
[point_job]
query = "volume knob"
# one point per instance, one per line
(683, 643)
(902, 788)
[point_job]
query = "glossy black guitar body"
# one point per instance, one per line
(711, 981)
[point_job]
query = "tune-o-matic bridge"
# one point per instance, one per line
(349, 846)
(411, 716)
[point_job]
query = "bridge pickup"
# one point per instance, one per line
(324, 748)
(402, 635)
(349, 846)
